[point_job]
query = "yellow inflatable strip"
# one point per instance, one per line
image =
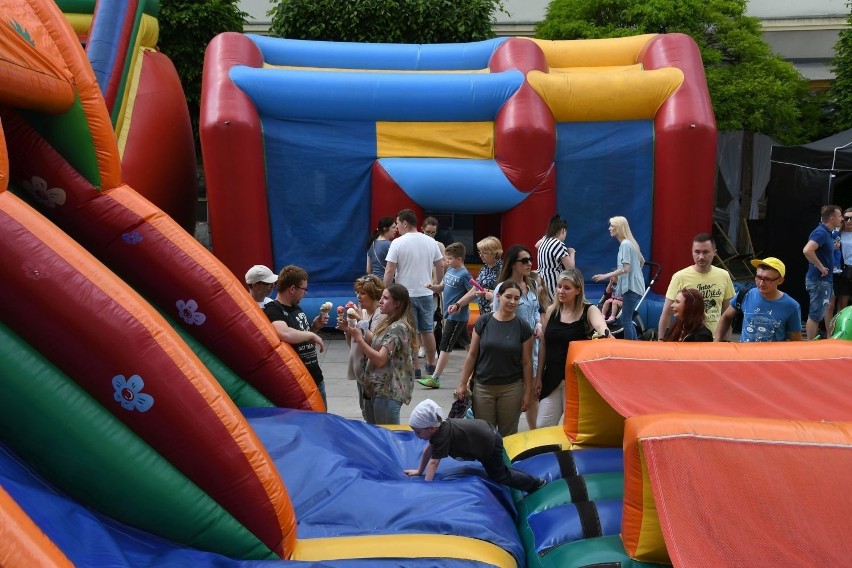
(80, 23)
(635, 67)
(587, 97)
(401, 546)
(435, 140)
(517, 444)
(592, 52)
(149, 33)
(341, 70)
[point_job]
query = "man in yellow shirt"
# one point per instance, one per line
(714, 284)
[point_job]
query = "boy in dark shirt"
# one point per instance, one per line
(467, 440)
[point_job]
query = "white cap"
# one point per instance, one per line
(425, 415)
(260, 273)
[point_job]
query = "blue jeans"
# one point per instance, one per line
(628, 306)
(423, 313)
(819, 294)
(382, 410)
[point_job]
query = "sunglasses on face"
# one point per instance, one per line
(847, 219)
(526, 260)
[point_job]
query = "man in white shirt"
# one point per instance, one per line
(410, 260)
(261, 280)
(714, 284)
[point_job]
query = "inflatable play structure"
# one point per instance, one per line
(125, 441)
(144, 98)
(307, 144)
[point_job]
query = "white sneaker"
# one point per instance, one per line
(422, 352)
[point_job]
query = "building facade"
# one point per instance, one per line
(803, 33)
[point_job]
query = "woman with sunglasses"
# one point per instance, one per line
(688, 310)
(499, 362)
(631, 283)
(843, 280)
(390, 351)
(518, 269)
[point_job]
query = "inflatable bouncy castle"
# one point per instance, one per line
(307, 144)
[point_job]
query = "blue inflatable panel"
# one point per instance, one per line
(593, 159)
(383, 96)
(346, 55)
(450, 184)
(103, 41)
(556, 465)
(319, 221)
(346, 478)
(569, 523)
(90, 539)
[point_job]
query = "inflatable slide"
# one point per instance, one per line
(728, 450)
(307, 144)
(144, 98)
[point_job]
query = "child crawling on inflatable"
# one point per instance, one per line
(464, 439)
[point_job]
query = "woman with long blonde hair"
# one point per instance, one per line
(631, 283)
(566, 320)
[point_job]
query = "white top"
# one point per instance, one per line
(415, 255)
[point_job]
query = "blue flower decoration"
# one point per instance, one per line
(188, 312)
(129, 393)
(132, 238)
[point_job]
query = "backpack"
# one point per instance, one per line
(737, 322)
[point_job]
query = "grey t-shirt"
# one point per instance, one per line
(500, 359)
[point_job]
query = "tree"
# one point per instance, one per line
(385, 21)
(751, 88)
(186, 27)
(841, 91)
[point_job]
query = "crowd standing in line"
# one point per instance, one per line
(714, 284)
(631, 282)
(568, 319)
(527, 320)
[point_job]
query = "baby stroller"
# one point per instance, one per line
(643, 332)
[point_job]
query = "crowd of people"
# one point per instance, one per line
(515, 361)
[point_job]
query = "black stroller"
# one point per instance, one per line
(643, 332)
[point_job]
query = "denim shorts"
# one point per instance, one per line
(819, 292)
(422, 311)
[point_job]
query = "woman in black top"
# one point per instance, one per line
(565, 321)
(500, 361)
(688, 310)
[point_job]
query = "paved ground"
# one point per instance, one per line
(343, 396)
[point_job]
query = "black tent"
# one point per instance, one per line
(802, 179)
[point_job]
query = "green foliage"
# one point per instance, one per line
(750, 87)
(186, 27)
(385, 21)
(841, 91)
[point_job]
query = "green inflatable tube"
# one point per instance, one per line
(81, 448)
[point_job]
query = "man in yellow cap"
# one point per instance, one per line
(768, 313)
